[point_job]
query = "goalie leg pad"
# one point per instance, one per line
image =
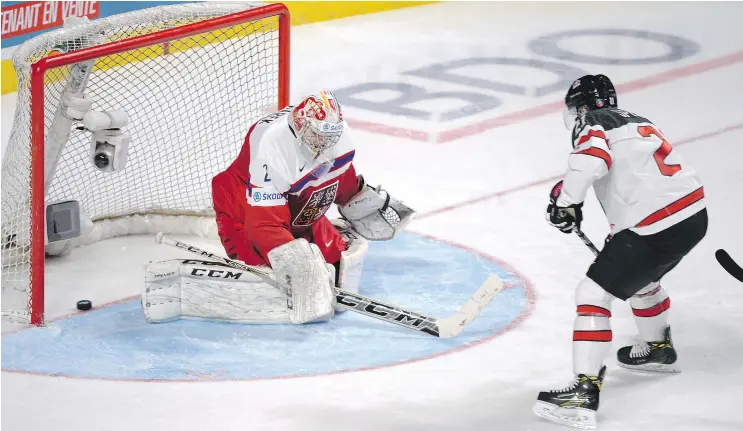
(192, 289)
(375, 215)
(306, 279)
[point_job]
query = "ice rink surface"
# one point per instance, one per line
(478, 166)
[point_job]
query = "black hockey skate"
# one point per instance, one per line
(574, 405)
(659, 356)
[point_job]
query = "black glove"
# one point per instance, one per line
(568, 218)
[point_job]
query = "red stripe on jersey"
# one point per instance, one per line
(673, 208)
(592, 335)
(592, 134)
(654, 310)
(597, 152)
(592, 309)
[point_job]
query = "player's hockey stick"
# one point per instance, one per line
(554, 194)
(729, 264)
(586, 241)
(444, 328)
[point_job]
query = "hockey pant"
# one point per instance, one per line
(629, 267)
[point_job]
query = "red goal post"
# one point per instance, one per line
(177, 76)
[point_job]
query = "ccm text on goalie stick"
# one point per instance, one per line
(438, 327)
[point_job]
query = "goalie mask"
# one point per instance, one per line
(318, 123)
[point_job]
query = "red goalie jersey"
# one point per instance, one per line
(278, 189)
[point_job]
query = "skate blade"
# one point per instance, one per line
(653, 368)
(573, 417)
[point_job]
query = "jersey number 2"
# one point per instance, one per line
(663, 151)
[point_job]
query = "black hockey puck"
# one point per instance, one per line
(84, 305)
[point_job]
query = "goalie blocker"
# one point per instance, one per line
(203, 290)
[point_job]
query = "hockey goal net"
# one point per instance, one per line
(191, 78)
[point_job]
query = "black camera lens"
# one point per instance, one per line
(101, 160)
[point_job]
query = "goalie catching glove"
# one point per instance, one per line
(374, 214)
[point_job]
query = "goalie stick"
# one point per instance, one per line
(729, 264)
(438, 327)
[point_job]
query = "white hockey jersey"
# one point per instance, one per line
(641, 183)
(286, 191)
(278, 169)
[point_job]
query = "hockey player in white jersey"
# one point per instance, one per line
(655, 207)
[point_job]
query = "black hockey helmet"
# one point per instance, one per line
(611, 92)
(591, 92)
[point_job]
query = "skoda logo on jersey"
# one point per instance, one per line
(271, 196)
(259, 198)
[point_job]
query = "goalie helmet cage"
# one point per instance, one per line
(191, 77)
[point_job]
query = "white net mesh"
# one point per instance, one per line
(190, 102)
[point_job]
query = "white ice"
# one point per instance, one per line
(493, 385)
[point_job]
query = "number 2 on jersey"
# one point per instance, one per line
(266, 178)
(663, 151)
